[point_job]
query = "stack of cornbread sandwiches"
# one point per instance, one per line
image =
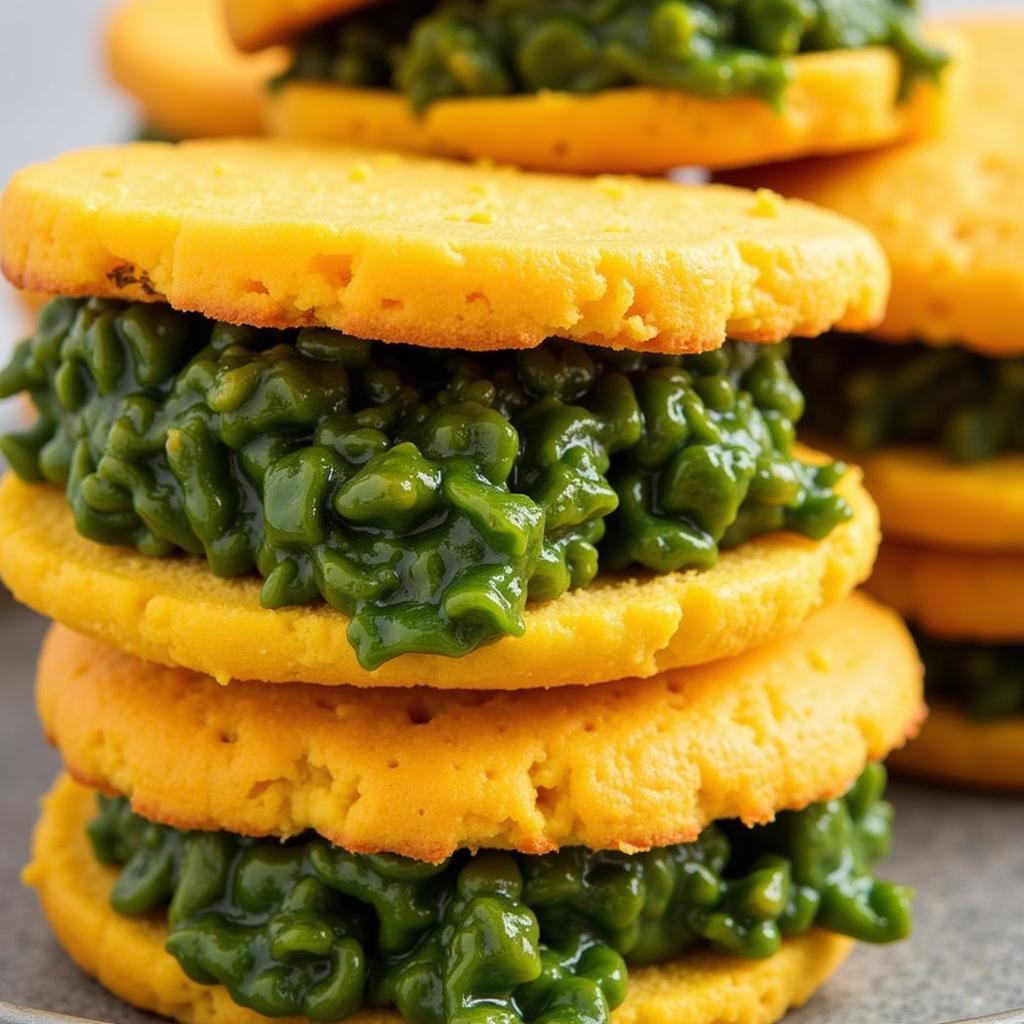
(449, 628)
(938, 417)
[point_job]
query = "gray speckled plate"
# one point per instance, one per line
(963, 852)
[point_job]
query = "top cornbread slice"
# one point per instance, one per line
(949, 212)
(434, 253)
(257, 23)
(176, 59)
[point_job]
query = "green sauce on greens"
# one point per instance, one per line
(986, 680)
(428, 494)
(302, 927)
(869, 394)
(714, 48)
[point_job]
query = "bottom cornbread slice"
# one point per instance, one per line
(954, 747)
(127, 954)
(422, 773)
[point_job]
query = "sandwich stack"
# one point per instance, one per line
(502, 667)
(934, 404)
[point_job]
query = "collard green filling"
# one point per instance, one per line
(986, 680)
(428, 494)
(302, 927)
(712, 48)
(869, 394)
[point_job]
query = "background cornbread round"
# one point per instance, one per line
(254, 24)
(953, 594)
(838, 101)
(127, 954)
(434, 253)
(626, 765)
(176, 59)
(955, 748)
(175, 611)
(970, 507)
(950, 211)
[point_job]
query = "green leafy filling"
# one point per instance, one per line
(714, 48)
(873, 393)
(302, 927)
(427, 494)
(987, 680)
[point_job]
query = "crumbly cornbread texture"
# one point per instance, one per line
(127, 954)
(626, 765)
(953, 747)
(949, 211)
(837, 101)
(434, 253)
(953, 594)
(175, 611)
(176, 59)
(975, 507)
(254, 24)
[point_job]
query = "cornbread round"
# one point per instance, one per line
(175, 611)
(949, 212)
(953, 594)
(432, 252)
(838, 101)
(627, 765)
(127, 955)
(254, 24)
(977, 507)
(954, 748)
(176, 59)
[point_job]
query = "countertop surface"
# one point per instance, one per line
(963, 852)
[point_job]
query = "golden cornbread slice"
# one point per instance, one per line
(127, 955)
(175, 611)
(431, 252)
(950, 211)
(254, 24)
(954, 748)
(176, 59)
(838, 101)
(627, 765)
(952, 594)
(924, 497)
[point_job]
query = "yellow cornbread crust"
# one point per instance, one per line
(254, 24)
(954, 748)
(977, 507)
(947, 211)
(837, 102)
(176, 59)
(175, 611)
(953, 595)
(627, 765)
(127, 955)
(433, 252)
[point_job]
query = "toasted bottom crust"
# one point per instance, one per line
(176, 612)
(955, 748)
(953, 595)
(838, 101)
(925, 498)
(127, 955)
(627, 765)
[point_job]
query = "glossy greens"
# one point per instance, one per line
(873, 393)
(712, 48)
(302, 927)
(986, 680)
(428, 494)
